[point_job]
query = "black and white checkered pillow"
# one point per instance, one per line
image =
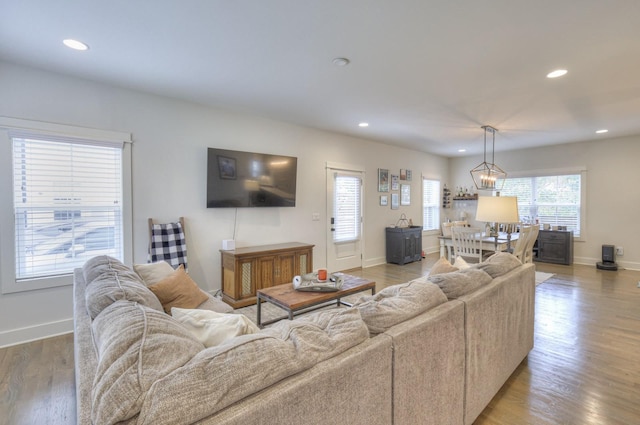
(168, 244)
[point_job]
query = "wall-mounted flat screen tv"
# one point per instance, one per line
(248, 179)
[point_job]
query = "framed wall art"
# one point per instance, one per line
(405, 194)
(384, 200)
(383, 180)
(394, 201)
(395, 182)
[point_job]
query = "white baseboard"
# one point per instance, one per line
(627, 265)
(34, 333)
(373, 262)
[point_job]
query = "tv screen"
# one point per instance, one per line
(247, 179)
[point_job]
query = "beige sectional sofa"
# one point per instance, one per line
(406, 355)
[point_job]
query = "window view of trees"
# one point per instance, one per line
(553, 200)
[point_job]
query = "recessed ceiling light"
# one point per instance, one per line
(604, 130)
(462, 150)
(75, 44)
(557, 73)
(363, 124)
(340, 61)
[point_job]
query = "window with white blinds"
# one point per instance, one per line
(67, 201)
(554, 200)
(347, 208)
(430, 204)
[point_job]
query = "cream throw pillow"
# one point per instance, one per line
(460, 263)
(153, 273)
(213, 328)
(178, 290)
(442, 266)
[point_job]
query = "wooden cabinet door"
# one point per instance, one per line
(286, 268)
(266, 272)
(303, 262)
(245, 280)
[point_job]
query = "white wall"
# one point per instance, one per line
(613, 189)
(169, 173)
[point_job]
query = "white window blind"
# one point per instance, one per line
(554, 200)
(347, 209)
(430, 204)
(67, 203)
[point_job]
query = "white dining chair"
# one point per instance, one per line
(521, 242)
(467, 243)
(531, 241)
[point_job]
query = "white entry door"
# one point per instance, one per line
(344, 210)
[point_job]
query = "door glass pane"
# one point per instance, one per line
(347, 208)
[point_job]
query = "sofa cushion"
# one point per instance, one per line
(398, 303)
(223, 374)
(111, 286)
(136, 346)
(442, 266)
(178, 290)
(95, 266)
(153, 273)
(499, 264)
(462, 282)
(211, 328)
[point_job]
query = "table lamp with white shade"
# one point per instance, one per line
(498, 210)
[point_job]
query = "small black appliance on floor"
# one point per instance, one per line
(608, 258)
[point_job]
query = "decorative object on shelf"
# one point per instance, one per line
(403, 221)
(384, 200)
(405, 191)
(446, 197)
(469, 197)
(498, 210)
(488, 176)
(383, 180)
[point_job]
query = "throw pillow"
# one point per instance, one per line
(460, 263)
(178, 290)
(499, 264)
(153, 273)
(442, 266)
(211, 328)
(398, 303)
(457, 284)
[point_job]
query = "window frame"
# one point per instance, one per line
(9, 126)
(580, 170)
(437, 207)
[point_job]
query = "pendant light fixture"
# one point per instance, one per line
(488, 176)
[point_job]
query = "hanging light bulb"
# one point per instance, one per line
(487, 175)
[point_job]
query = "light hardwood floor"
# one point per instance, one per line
(584, 368)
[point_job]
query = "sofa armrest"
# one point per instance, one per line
(85, 354)
(499, 323)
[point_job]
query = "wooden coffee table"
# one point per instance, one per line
(296, 302)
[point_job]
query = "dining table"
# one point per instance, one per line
(503, 242)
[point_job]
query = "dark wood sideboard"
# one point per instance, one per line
(404, 244)
(555, 246)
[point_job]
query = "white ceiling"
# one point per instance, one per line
(424, 74)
